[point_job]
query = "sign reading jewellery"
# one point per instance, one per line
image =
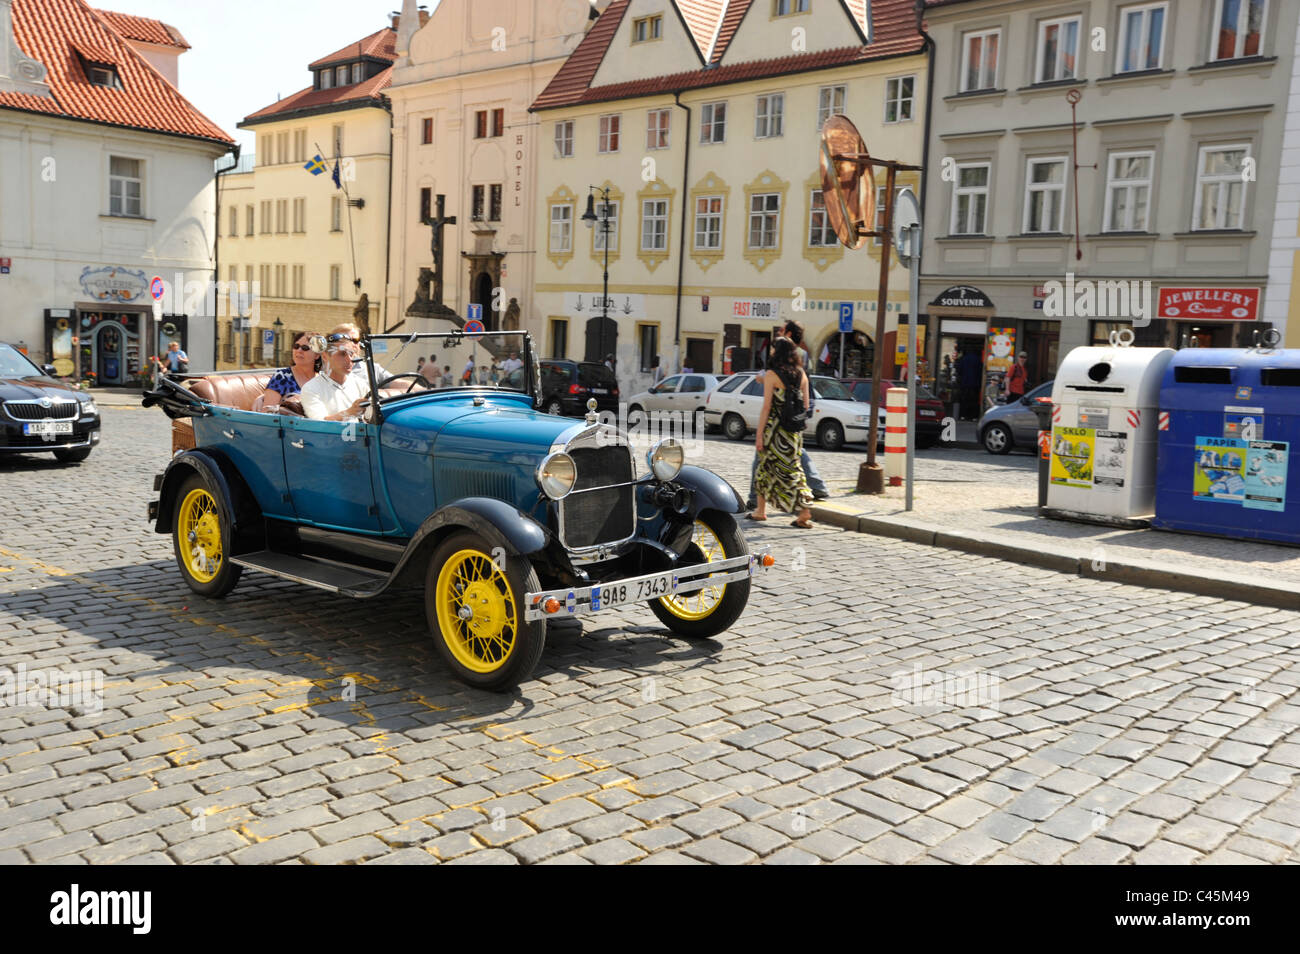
(963, 296)
(113, 284)
(1222, 304)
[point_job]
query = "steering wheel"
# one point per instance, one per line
(418, 379)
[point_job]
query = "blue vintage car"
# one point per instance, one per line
(504, 515)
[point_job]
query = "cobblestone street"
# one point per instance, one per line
(877, 702)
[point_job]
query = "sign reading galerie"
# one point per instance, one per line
(113, 284)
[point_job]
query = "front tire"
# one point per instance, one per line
(475, 607)
(830, 435)
(201, 540)
(733, 425)
(555, 407)
(997, 439)
(707, 612)
(72, 456)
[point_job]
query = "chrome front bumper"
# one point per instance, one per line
(687, 579)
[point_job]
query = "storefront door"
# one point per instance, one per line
(1204, 335)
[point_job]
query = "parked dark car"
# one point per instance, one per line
(567, 386)
(1013, 424)
(504, 517)
(39, 413)
(929, 409)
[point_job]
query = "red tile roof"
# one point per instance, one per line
(859, 13)
(736, 11)
(381, 44)
(144, 29)
(52, 31)
(312, 98)
(702, 18)
(895, 35)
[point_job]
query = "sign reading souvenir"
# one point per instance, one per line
(1002, 349)
(1251, 474)
(768, 309)
(963, 296)
(1209, 304)
(113, 284)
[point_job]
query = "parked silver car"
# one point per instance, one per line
(679, 392)
(1014, 424)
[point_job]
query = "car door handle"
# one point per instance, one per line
(230, 435)
(299, 444)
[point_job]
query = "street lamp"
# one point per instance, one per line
(278, 325)
(589, 219)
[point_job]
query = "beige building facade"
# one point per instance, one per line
(702, 121)
(462, 84)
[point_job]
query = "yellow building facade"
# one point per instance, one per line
(707, 141)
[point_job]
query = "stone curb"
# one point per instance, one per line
(1137, 573)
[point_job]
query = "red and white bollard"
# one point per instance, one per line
(895, 435)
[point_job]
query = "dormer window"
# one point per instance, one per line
(341, 76)
(647, 28)
(358, 72)
(326, 79)
(99, 72)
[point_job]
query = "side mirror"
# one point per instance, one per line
(1024, 400)
(48, 371)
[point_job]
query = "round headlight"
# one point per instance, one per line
(556, 475)
(665, 459)
(88, 406)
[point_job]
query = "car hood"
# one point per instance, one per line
(503, 427)
(34, 388)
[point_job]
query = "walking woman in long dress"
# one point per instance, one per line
(780, 479)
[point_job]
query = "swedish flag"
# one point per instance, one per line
(316, 166)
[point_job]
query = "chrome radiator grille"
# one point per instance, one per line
(33, 411)
(596, 512)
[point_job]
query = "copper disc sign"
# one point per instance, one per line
(848, 186)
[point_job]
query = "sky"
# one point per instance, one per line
(245, 54)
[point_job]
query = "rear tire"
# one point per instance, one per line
(201, 540)
(475, 607)
(997, 439)
(72, 456)
(830, 435)
(705, 613)
(733, 425)
(555, 407)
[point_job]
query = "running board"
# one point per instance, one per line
(345, 580)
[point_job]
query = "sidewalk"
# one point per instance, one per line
(117, 397)
(1002, 521)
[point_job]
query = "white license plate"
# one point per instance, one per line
(47, 428)
(929, 413)
(599, 390)
(637, 591)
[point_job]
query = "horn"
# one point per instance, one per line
(848, 185)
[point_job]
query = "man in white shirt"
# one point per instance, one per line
(511, 363)
(336, 396)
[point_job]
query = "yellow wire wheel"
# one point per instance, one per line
(201, 540)
(474, 600)
(706, 612)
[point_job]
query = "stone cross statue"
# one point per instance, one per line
(437, 223)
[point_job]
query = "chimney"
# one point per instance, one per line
(394, 20)
(424, 15)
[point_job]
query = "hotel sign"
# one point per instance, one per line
(1209, 304)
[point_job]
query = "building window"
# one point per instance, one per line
(970, 196)
(1128, 191)
(658, 122)
(338, 139)
(559, 338)
(300, 145)
(341, 76)
(769, 116)
(979, 60)
(234, 221)
(783, 8)
(281, 282)
(1220, 187)
(300, 216)
(494, 203)
(647, 28)
(300, 281)
(1141, 38)
(282, 147)
(102, 74)
(125, 186)
(648, 341)
(357, 72)
(477, 198)
(820, 233)
(426, 203)
(654, 225)
(326, 79)
(708, 222)
(336, 282)
(1045, 195)
(764, 219)
(426, 131)
(336, 214)
(899, 98)
(604, 209)
(498, 123)
(880, 212)
(1058, 50)
(250, 220)
(481, 124)
(564, 139)
(264, 280)
(282, 216)
(562, 227)
(713, 123)
(609, 126)
(1238, 28)
(830, 102)
(266, 217)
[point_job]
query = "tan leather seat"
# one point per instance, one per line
(227, 390)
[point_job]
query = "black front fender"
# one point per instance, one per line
(495, 521)
(710, 491)
(222, 480)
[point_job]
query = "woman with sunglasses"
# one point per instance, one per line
(288, 382)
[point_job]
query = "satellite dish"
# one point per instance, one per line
(907, 213)
(848, 187)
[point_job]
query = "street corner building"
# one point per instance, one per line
(694, 128)
(108, 182)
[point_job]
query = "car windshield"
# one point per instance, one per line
(828, 389)
(452, 360)
(14, 365)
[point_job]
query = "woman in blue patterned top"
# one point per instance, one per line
(288, 382)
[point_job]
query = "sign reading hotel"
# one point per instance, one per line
(767, 309)
(1209, 304)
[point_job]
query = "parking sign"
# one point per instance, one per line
(846, 317)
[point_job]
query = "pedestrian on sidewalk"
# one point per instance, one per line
(1017, 378)
(793, 330)
(780, 477)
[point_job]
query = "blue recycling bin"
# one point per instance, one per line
(1228, 453)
